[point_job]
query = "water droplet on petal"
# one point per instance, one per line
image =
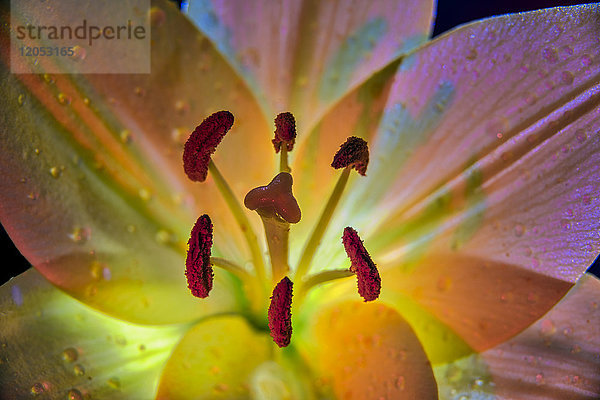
(145, 194)
(163, 237)
(70, 354)
(586, 60)
(580, 135)
(565, 224)
(55, 172)
(125, 136)
(37, 389)
(519, 230)
(539, 379)
(74, 394)
(79, 53)
(139, 91)
(567, 77)
(21, 99)
(547, 328)
(114, 382)
(78, 370)
(157, 17)
(63, 99)
(80, 235)
(550, 55)
(471, 55)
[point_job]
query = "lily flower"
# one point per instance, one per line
(470, 231)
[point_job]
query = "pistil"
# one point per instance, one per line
(277, 207)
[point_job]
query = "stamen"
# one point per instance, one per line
(198, 269)
(323, 277)
(369, 282)
(280, 313)
(203, 142)
(285, 137)
(277, 208)
(353, 153)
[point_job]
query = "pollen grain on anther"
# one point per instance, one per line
(354, 152)
(203, 142)
(280, 312)
(198, 269)
(369, 281)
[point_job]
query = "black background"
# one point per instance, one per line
(450, 13)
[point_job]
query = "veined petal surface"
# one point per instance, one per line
(304, 55)
(367, 351)
(52, 346)
(93, 189)
(558, 357)
(215, 360)
(484, 173)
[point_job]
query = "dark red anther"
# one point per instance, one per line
(355, 153)
(369, 282)
(203, 142)
(280, 313)
(198, 269)
(285, 131)
(276, 197)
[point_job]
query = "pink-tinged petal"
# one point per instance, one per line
(367, 351)
(216, 359)
(55, 347)
(93, 190)
(556, 358)
(482, 301)
(513, 176)
(305, 55)
(475, 210)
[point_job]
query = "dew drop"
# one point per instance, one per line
(78, 370)
(55, 172)
(157, 17)
(125, 136)
(114, 382)
(162, 237)
(539, 379)
(63, 99)
(471, 55)
(21, 99)
(48, 78)
(145, 194)
(566, 77)
(86, 101)
(580, 135)
(182, 106)
(586, 60)
(550, 55)
(74, 394)
(519, 230)
(70, 354)
(120, 340)
(37, 389)
(79, 53)
(179, 135)
(547, 328)
(565, 224)
(139, 91)
(80, 235)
